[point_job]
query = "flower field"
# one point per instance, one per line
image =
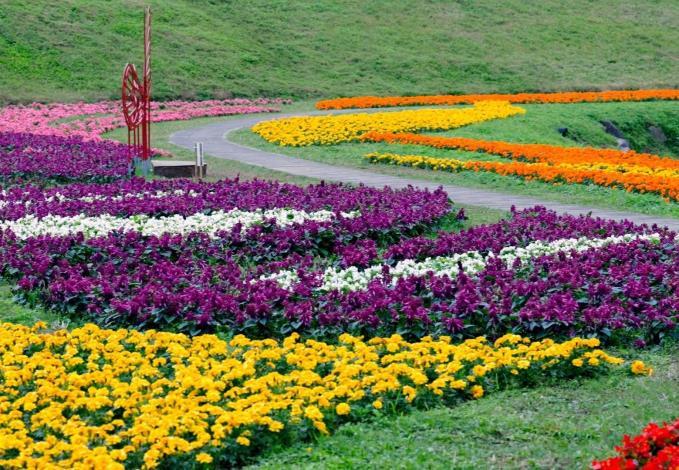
(605, 167)
(45, 159)
(62, 143)
(329, 130)
(266, 259)
(210, 322)
(188, 255)
(633, 172)
(121, 398)
(638, 178)
(90, 120)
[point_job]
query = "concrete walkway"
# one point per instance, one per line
(215, 138)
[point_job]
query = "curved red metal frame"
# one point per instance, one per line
(133, 97)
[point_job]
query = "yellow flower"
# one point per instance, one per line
(343, 409)
(577, 362)
(313, 413)
(458, 384)
(334, 129)
(377, 404)
(242, 440)
(639, 368)
(477, 391)
(203, 458)
(276, 426)
(320, 425)
(410, 393)
(479, 370)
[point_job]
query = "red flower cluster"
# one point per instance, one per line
(656, 448)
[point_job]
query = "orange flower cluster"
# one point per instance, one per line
(631, 178)
(559, 97)
(539, 153)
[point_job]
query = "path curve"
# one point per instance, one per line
(215, 138)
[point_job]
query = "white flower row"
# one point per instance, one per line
(140, 195)
(31, 226)
(472, 262)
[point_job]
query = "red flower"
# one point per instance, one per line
(656, 448)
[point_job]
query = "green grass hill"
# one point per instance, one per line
(76, 49)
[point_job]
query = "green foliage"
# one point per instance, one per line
(15, 313)
(76, 49)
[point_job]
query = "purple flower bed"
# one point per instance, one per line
(118, 275)
(630, 289)
(381, 209)
(520, 229)
(51, 159)
(196, 284)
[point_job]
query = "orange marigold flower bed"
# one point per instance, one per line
(633, 178)
(558, 97)
(538, 153)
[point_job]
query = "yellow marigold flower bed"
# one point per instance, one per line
(334, 129)
(97, 398)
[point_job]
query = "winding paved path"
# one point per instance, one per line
(215, 138)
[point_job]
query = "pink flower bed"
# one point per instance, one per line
(90, 120)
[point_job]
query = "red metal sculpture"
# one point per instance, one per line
(133, 106)
(136, 98)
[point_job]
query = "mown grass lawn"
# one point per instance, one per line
(538, 125)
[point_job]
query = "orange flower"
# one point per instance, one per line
(559, 97)
(543, 153)
(634, 178)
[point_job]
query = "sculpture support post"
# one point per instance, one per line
(146, 127)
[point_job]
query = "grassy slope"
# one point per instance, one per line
(563, 426)
(75, 49)
(539, 124)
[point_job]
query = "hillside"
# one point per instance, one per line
(75, 49)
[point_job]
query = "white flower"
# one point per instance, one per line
(31, 226)
(144, 195)
(472, 262)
